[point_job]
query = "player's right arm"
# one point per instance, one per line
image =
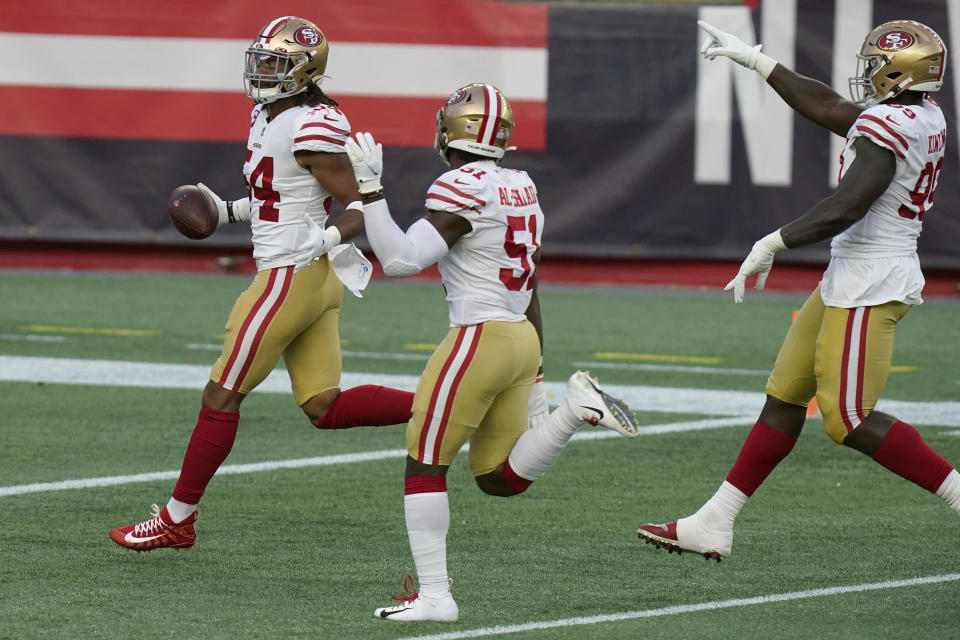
(868, 177)
(400, 253)
(810, 98)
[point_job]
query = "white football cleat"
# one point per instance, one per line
(413, 607)
(594, 406)
(689, 534)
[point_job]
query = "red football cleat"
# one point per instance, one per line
(157, 532)
(691, 538)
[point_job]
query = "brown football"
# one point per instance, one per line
(192, 212)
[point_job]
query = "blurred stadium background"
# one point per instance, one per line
(657, 165)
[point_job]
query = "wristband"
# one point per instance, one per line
(772, 242)
(356, 205)
(373, 195)
(764, 65)
(238, 210)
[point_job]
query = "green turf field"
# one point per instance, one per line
(831, 546)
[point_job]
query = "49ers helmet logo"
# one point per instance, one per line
(307, 36)
(457, 97)
(895, 40)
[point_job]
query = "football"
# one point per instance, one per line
(192, 212)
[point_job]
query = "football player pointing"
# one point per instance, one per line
(295, 166)
(840, 346)
(483, 228)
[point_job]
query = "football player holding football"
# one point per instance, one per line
(295, 167)
(840, 346)
(483, 227)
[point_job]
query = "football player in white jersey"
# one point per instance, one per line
(295, 167)
(483, 227)
(840, 346)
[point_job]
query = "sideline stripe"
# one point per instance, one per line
(323, 461)
(687, 608)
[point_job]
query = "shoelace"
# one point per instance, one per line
(411, 591)
(152, 526)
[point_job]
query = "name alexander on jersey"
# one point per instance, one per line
(516, 197)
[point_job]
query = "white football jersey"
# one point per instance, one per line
(281, 191)
(875, 260)
(488, 274)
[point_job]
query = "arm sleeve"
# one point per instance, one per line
(401, 254)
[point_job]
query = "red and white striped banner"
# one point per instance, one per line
(173, 71)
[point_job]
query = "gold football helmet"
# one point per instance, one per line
(898, 56)
(287, 56)
(477, 119)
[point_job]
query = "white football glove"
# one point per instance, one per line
(759, 262)
(730, 46)
(235, 211)
(319, 239)
(366, 155)
(537, 408)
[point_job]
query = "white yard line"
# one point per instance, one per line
(323, 461)
(486, 632)
(29, 337)
(707, 402)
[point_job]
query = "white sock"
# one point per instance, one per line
(721, 510)
(567, 419)
(538, 448)
(950, 490)
(428, 520)
(180, 511)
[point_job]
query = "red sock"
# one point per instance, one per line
(209, 446)
(905, 453)
(368, 405)
(424, 484)
(761, 453)
(518, 483)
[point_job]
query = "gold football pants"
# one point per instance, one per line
(840, 355)
(295, 315)
(475, 387)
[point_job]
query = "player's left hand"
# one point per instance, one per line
(320, 240)
(759, 262)
(366, 155)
